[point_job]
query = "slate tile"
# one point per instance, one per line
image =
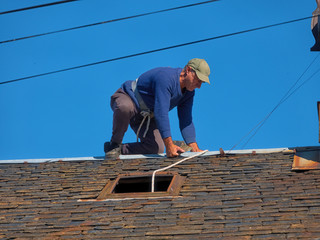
(238, 194)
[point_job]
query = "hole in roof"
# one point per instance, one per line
(139, 185)
(142, 184)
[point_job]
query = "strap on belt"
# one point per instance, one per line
(145, 111)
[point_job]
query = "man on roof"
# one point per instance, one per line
(145, 104)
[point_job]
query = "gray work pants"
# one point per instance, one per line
(125, 113)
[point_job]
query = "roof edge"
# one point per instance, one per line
(125, 157)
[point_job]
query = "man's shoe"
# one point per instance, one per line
(315, 48)
(112, 150)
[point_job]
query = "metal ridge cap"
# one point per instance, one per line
(260, 151)
(137, 156)
(210, 153)
(48, 160)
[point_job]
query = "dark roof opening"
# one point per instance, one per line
(139, 185)
(142, 184)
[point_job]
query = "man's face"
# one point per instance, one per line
(192, 81)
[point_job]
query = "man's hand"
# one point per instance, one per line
(194, 147)
(171, 149)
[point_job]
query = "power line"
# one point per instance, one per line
(109, 21)
(283, 99)
(155, 50)
(318, 70)
(37, 6)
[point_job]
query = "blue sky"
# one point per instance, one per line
(68, 114)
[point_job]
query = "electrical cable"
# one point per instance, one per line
(37, 6)
(155, 50)
(283, 99)
(108, 21)
(281, 103)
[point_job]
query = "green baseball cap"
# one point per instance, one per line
(201, 67)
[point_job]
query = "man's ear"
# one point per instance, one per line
(188, 69)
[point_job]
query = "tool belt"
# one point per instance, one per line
(145, 111)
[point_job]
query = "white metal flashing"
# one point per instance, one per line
(139, 156)
(48, 160)
(209, 153)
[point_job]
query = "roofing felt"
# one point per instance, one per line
(249, 196)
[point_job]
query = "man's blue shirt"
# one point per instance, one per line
(160, 90)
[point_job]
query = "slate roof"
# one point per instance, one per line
(223, 197)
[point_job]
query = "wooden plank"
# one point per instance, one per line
(306, 160)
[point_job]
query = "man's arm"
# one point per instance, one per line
(171, 149)
(185, 122)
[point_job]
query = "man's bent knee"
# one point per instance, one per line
(125, 108)
(154, 148)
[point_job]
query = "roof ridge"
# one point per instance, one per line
(138, 156)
